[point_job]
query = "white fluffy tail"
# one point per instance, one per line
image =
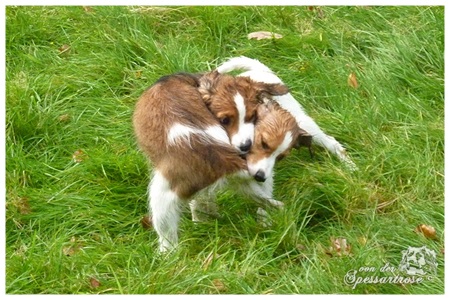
(242, 63)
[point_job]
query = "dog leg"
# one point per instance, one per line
(319, 138)
(165, 208)
(262, 193)
(204, 206)
(333, 146)
(263, 218)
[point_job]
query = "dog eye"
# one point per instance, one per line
(253, 118)
(225, 121)
(264, 145)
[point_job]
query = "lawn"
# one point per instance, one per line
(373, 77)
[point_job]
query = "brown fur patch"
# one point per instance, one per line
(272, 125)
(218, 92)
(181, 98)
(188, 167)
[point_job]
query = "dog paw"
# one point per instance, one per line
(343, 156)
(263, 218)
(276, 203)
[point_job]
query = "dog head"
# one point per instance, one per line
(234, 101)
(276, 133)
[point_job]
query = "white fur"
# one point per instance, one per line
(204, 205)
(218, 134)
(259, 72)
(180, 133)
(164, 205)
(267, 164)
(242, 63)
(246, 130)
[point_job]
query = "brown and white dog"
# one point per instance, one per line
(190, 126)
(259, 72)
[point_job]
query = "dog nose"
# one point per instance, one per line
(260, 176)
(245, 147)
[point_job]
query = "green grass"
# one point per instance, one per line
(68, 222)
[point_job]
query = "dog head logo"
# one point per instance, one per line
(418, 261)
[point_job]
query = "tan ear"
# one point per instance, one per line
(207, 84)
(276, 89)
(265, 90)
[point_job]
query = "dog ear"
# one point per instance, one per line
(207, 84)
(303, 139)
(275, 89)
(266, 90)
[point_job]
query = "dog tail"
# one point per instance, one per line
(244, 64)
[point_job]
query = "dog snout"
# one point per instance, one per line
(260, 176)
(245, 147)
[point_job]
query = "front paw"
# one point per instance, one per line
(263, 218)
(276, 203)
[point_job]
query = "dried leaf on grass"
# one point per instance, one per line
(351, 80)
(88, 9)
(79, 156)
(73, 248)
(64, 118)
(22, 204)
(219, 285)
(319, 12)
(427, 230)
(70, 250)
(64, 50)
(94, 283)
(209, 259)
(146, 222)
(339, 247)
(263, 35)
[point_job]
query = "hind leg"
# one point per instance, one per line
(319, 137)
(333, 146)
(326, 141)
(165, 208)
(204, 206)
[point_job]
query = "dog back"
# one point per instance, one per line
(181, 137)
